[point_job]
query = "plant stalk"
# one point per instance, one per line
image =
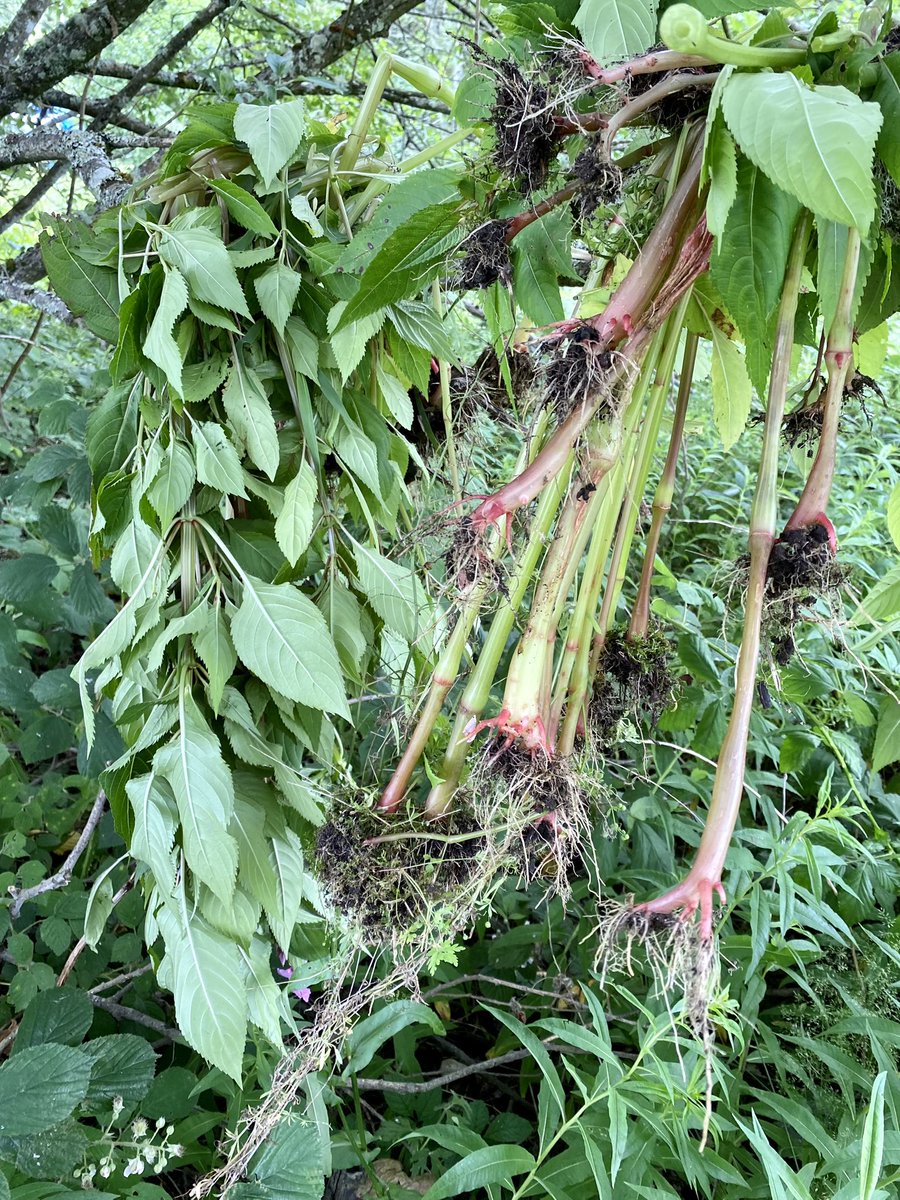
(684, 29)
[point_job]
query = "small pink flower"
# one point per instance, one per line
(303, 994)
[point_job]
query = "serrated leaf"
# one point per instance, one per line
(281, 637)
(210, 315)
(173, 485)
(395, 396)
(721, 163)
(749, 262)
(251, 417)
(421, 326)
(91, 292)
(286, 861)
(218, 464)
(304, 347)
(294, 525)
(616, 29)
(61, 1015)
(123, 1065)
(159, 345)
(202, 258)
(303, 211)
(887, 735)
(193, 766)
(264, 996)
(111, 433)
(244, 207)
(491, 1164)
(200, 380)
(816, 143)
(540, 254)
(402, 266)
(732, 394)
(40, 1087)
(214, 647)
(210, 991)
(272, 133)
(392, 590)
(887, 95)
(155, 822)
(349, 343)
(832, 252)
(132, 555)
(276, 290)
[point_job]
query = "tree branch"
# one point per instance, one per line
(84, 149)
(357, 24)
(66, 49)
(26, 203)
(99, 109)
(439, 1081)
(122, 1013)
(61, 877)
(19, 30)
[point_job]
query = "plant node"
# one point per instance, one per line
(467, 561)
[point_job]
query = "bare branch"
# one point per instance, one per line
(61, 877)
(66, 49)
(26, 203)
(84, 149)
(37, 298)
(358, 23)
(123, 1013)
(439, 1081)
(20, 29)
(99, 109)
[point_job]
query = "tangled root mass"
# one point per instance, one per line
(522, 118)
(634, 680)
(486, 257)
(601, 181)
(576, 373)
(802, 569)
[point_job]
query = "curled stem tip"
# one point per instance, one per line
(684, 28)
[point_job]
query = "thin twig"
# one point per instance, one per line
(61, 877)
(429, 1085)
(123, 1013)
(82, 941)
(116, 980)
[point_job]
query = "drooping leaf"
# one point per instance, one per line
(304, 346)
(392, 590)
(887, 735)
(200, 380)
(203, 260)
(160, 345)
(155, 816)
(218, 464)
(272, 132)
(871, 1152)
(281, 637)
(750, 259)
(201, 782)
(244, 208)
(251, 417)
(492, 1164)
(373, 1031)
(816, 143)
(616, 29)
(395, 396)
(171, 488)
(887, 95)
(540, 254)
(721, 164)
(276, 290)
(294, 525)
(732, 393)
(111, 433)
(832, 244)
(90, 291)
(214, 646)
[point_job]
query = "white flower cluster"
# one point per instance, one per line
(148, 1149)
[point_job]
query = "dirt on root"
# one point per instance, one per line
(634, 679)
(802, 569)
(672, 111)
(524, 128)
(576, 372)
(393, 884)
(467, 561)
(485, 257)
(601, 181)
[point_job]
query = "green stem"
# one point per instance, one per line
(665, 490)
(446, 402)
(705, 875)
(684, 29)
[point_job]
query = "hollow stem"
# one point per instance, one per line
(684, 29)
(665, 490)
(705, 875)
(813, 503)
(478, 689)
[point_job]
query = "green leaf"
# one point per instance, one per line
(40, 1087)
(286, 864)
(272, 134)
(210, 990)
(210, 315)
(123, 1065)
(218, 464)
(281, 637)
(304, 347)
(348, 345)
(872, 1149)
(193, 766)
(155, 816)
(732, 393)
(244, 207)
(492, 1164)
(421, 326)
(171, 488)
(91, 292)
(213, 645)
(538, 1052)
(276, 290)
(134, 552)
(616, 29)
(893, 515)
(403, 265)
(395, 396)
(749, 262)
(392, 590)
(536, 255)
(372, 1032)
(816, 143)
(200, 380)
(304, 212)
(887, 95)
(832, 247)
(202, 258)
(887, 734)
(111, 432)
(62, 1015)
(251, 417)
(159, 345)
(290, 1164)
(294, 525)
(721, 161)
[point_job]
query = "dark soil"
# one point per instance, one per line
(601, 181)
(802, 427)
(802, 569)
(523, 123)
(672, 112)
(576, 372)
(634, 679)
(391, 885)
(485, 257)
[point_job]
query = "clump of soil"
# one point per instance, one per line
(576, 372)
(802, 569)
(522, 117)
(601, 181)
(801, 428)
(672, 111)
(486, 257)
(393, 884)
(634, 679)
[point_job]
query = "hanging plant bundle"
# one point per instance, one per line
(278, 295)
